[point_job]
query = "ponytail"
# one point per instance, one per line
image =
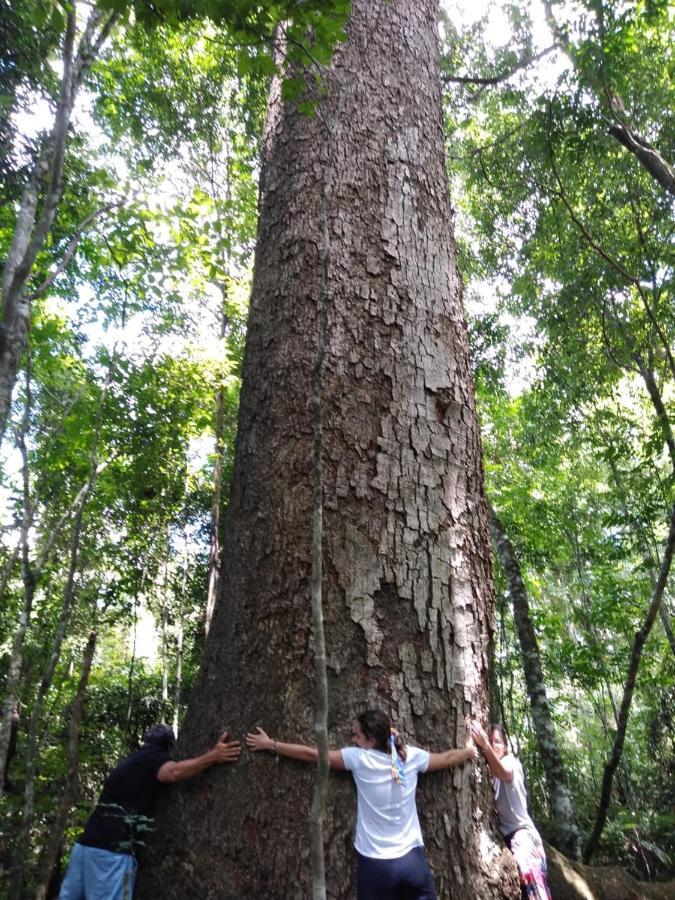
(398, 755)
(397, 742)
(377, 725)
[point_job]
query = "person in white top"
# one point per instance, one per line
(389, 846)
(513, 819)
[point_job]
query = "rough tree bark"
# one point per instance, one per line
(562, 813)
(318, 808)
(406, 552)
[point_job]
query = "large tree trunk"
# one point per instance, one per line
(567, 832)
(406, 567)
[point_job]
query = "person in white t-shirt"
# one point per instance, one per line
(513, 819)
(389, 846)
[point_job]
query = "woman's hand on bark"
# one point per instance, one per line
(260, 740)
(478, 734)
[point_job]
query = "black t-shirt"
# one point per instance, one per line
(128, 792)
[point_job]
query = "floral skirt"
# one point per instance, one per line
(528, 852)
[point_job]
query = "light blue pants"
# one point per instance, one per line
(94, 874)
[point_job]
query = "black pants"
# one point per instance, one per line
(405, 878)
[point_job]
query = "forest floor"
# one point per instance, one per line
(574, 881)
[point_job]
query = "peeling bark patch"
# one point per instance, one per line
(414, 686)
(358, 570)
(489, 849)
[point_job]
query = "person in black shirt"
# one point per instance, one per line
(102, 863)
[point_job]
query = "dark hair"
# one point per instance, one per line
(377, 725)
(495, 726)
(161, 737)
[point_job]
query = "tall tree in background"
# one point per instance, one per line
(579, 232)
(42, 193)
(407, 582)
(562, 813)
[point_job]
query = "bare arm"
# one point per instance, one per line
(495, 765)
(223, 752)
(301, 752)
(452, 757)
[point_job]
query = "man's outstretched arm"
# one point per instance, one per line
(223, 752)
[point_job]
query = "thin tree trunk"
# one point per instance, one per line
(498, 692)
(11, 562)
(40, 200)
(69, 597)
(646, 154)
(132, 667)
(10, 703)
(69, 797)
(595, 641)
(629, 686)
(54, 533)
(16, 885)
(647, 553)
(132, 662)
(7, 786)
(609, 730)
(667, 627)
(649, 379)
(406, 555)
(662, 416)
(31, 575)
(164, 590)
(669, 439)
(562, 813)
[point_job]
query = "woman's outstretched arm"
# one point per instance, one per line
(453, 757)
(260, 740)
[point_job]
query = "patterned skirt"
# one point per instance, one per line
(528, 852)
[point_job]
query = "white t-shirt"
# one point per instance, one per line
(387, 826)
(511, 798)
